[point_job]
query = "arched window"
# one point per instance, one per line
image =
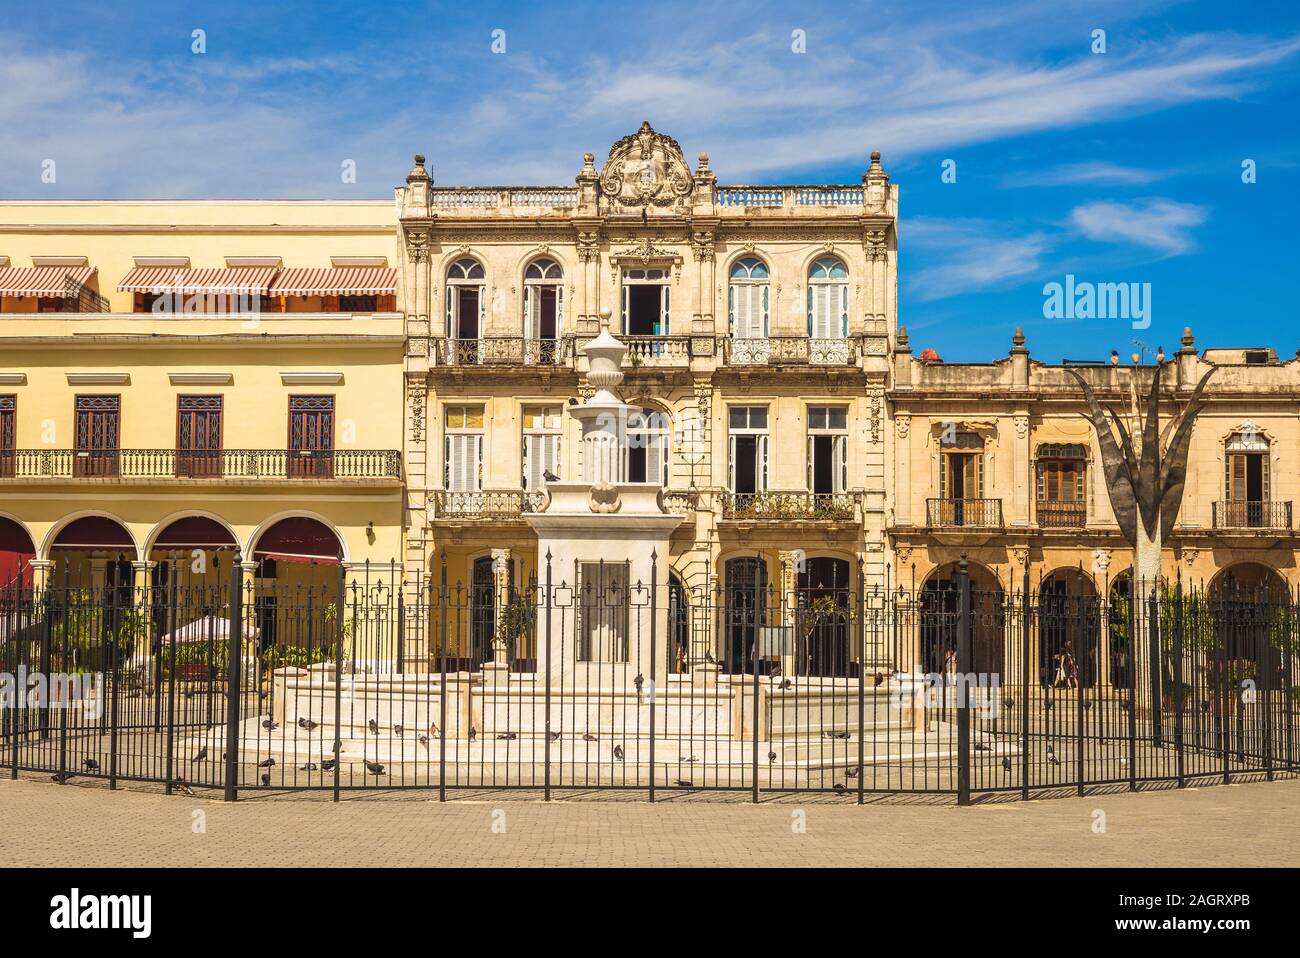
(748, 308)
(647, 446)
(466, 310)
(543, 310)
(828, 299)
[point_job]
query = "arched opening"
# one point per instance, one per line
(194, 556)
(543, 310)
(466, 311)
(92, 587)
(296, 595)
(1069, 629)
(940, 611)
(745, 604)
(93, 552)
(748, 309)
(1250, 605)
(822, 601)
(16, 553)
(1119, 629)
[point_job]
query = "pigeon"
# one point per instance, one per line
(473, 733)
(508, 736)
(553, 736)
(203, 753)
(1053, 760)
(91, 765)
(373, 726)
(550, 476)
(981, 747)
(839, 788)
(1009, 702)
(398, 730)
(684, 783)
(1050, 749)
(639, 681)
(181, 786)
(588, 737)
(618, 752)
(62, 778)
(852, 772)
(266, 763)
(309, 767)
(308, 724)
(688, 761)
(1006, 764)
(771, 758)
(327, 764)
(708, 657)
(266, 778)
(433, 730)
(269, 725)
(423, 740)
(374, 768)
(1049, 704)
(786, 684)
(880, 679)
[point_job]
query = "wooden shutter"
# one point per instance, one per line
(654, 458)
(761, 484)
(665, 310)
(453, 307)
(841, 446)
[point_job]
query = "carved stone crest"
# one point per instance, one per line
(604, 498)
(645, 169)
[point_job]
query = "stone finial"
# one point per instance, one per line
(418, 173)
(1189, 341)
(589, 163)
(1018, 338)
(875, 172)
(902, 337)
(703, 167)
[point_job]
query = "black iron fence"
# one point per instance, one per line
(589, 678)
(201, 464)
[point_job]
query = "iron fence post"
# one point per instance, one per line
(1265, 683)
(1025, 625)
(1156, 668)
(340, 597)
(114, 673)
(234, 675)
(442, 689)
(862, 683)
(755, 617)
(401, 633)
(1080, 765)
(171, 690)
(1178, 625)
(654, 660)
(1226, 689)
(963, 672)
(1131, 680)
(63, 711)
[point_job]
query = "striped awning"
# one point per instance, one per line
(42, 280)
(339, 281)
(173, 279)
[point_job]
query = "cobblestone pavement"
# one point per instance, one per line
(1235, 825)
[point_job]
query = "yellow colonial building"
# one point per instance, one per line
(184, 379)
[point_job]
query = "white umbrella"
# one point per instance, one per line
(211, 627)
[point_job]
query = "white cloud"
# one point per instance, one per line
(1157, 223)
(1094, 173)
(966, 255)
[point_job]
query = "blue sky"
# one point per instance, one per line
(1123, 166)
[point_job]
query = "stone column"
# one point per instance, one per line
(141, 589)
(42, 569)
(1020, 469)
(789, 561)
(501, 596)
(903, 471)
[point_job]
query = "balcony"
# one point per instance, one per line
(772, 504)
(205, 465)
(964, 513)
(793, 200)
(508, 201)
(1252, 515)
(485, 504)
(788, 351)
(657, 350)
(499, 351)
(1062, 514)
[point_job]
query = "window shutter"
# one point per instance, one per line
(844, 311)
(482, 312)
(627, 294)
(731, 463)
(842, 463)
(736, 307)
(654, 459)
(476, 463)
(452, 302)
(552, 460)
(811, 457)
(665, 311)
(943, 476)
(531, 315)
(763, 306)
(762, 463)
(559, 314)
(1263, 473)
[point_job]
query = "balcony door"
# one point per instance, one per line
(747, 450)
(543, 310)
(198, 436)
(311, 437)
(8, 407)
(98, 420)
(1247, 481)
(828, 443)
(646, 298)
(961, 480)
(466, 302)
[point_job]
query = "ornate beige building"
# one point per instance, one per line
(758, 323)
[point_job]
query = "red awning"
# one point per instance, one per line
(43, 280)
(299, 539)
(222, 282)
(349, 281)
(194, 532)
(93, 532)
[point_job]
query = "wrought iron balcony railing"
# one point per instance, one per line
(964, 513)
(502, 351)
(1252, 515)
(770, 504)
(485, 504)
(1062, 514)
(217, 464)
(788, 350)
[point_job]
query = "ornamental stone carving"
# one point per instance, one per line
(417, 244)
(646, 169)
(903, 424)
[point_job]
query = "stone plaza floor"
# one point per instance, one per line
(85, 824)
